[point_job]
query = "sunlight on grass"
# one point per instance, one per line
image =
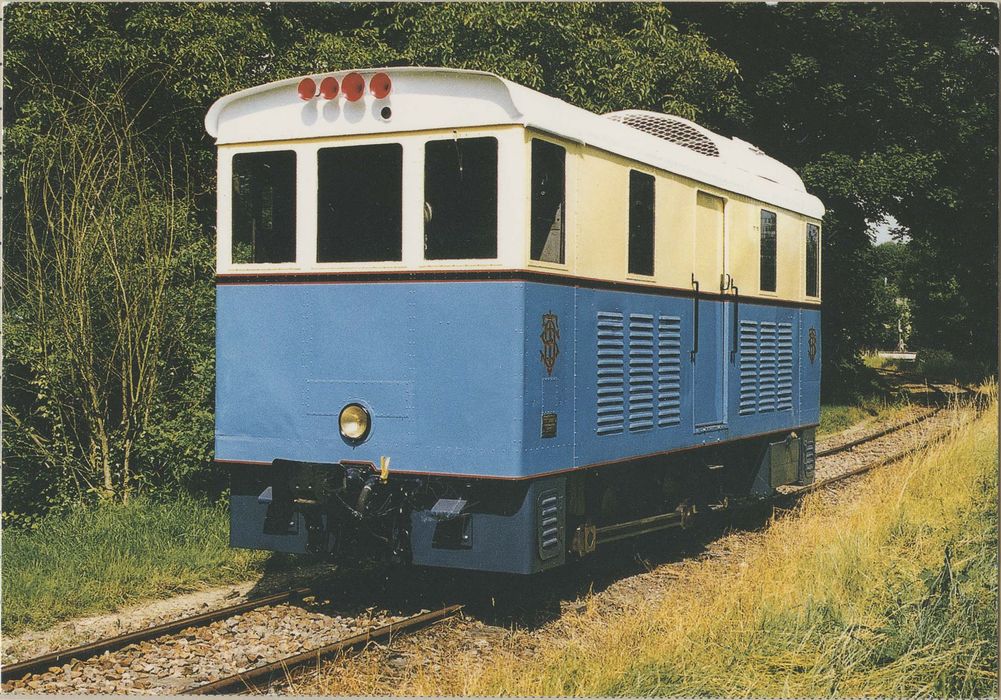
(835, 418)
(97, 559)
(891, 592)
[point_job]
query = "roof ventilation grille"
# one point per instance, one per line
(669, 128)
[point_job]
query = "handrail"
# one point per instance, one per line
(736, 321)
(695, 347)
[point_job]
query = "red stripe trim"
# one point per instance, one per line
(489, 276)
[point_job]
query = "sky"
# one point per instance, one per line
(882, 229)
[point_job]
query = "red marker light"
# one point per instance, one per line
(329, 87)
(381, 85)
(307, 89)
(354, 86)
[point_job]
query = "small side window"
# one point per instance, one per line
(359, 212)
(641, 223)
(263, 220)
(812, 260)
(768, 250)
(460, 199)
(548, 202)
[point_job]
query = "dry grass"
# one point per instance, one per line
(889, 592)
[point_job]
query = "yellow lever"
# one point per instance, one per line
(384, 469)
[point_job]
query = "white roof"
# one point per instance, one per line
(434, 98)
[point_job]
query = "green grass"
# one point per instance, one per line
(96, 559)
(837, 417)
(871, 399)
(890, 593)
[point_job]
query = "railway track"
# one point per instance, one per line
(834, 464)
(174, 657)
(16, 671)
(215, 652)
(263, 676)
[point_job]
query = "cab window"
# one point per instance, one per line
(263, 214)
(359, 216)
(641, 223)
(768, 250)
(548, 202)
(460, 199)
(812, 260)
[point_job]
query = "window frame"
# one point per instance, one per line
(226, 203)
(761, 258)
(806, 266)
(652, 179)
(563, 263)
(316, 208)
(498, 192)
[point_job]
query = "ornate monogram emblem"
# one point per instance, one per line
(550, 340)
(813, 344)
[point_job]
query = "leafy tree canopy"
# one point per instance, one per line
(886, 110)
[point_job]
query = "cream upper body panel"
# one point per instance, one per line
(701, 233)
(707, 208)
(433, 98)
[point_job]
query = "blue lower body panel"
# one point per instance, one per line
(519, 381)
(455, 374)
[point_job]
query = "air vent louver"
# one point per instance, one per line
(611, 373)
(641, 351)
(669, 371)
(669, 128)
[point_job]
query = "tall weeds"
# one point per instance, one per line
(96, 337)
(891, 592)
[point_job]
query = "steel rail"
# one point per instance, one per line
(38, 664)
(881, 462)
(618, 531)
(874, 436)
(267, 673)
(606, 535)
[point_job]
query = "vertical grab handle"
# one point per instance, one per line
(695, 347)
(736, 322)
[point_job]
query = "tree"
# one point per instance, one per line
(102, 98)
(600, 57)
(892, 317)
(885, 109)
(95, 336)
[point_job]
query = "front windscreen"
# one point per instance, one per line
(359, 204)
(460, 199)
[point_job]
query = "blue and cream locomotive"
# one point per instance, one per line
(473, 326)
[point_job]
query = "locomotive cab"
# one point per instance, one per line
(469, 325)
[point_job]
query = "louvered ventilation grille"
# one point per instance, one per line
(549, 524)
(666, 127)
(640, 372)
(611, 388)
(748, 367)
(809, 458)
(784, 379)
(766, 368)
(668, 371)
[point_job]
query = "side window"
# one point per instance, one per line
(812, 260)
(768, 250)
(264, 207)
(548, 202)
(359, 203)
(460, 199)
(641, 195)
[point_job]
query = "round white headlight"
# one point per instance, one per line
(354, 422)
